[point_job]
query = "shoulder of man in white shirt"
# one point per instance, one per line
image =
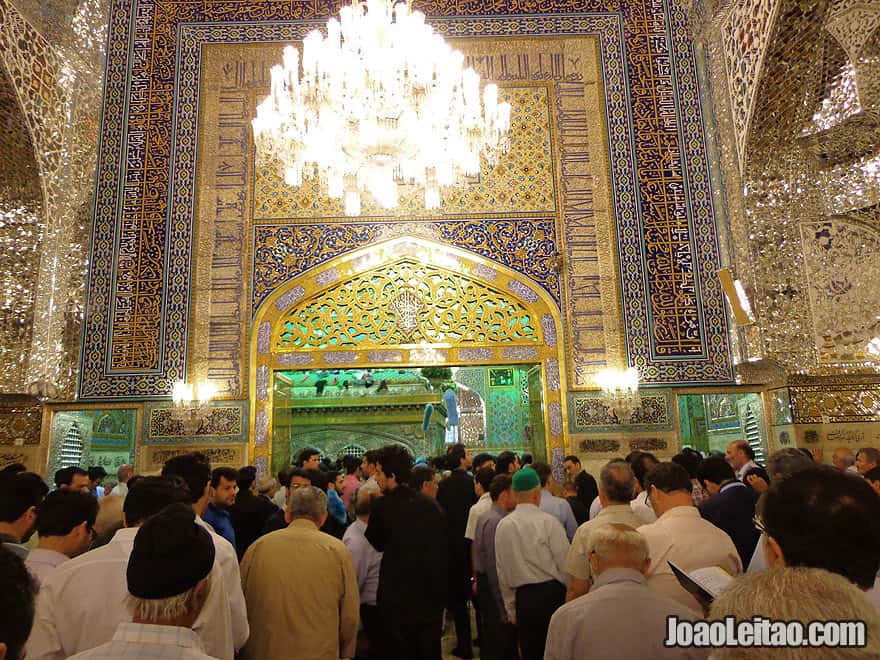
(660, 543)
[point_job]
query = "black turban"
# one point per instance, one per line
(171, 554)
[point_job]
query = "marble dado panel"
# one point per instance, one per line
(151, 458)
(29, 456)
(138, 316)
(616, 446)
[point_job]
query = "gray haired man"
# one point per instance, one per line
(301, 587)
(616, 486)
(621, 616)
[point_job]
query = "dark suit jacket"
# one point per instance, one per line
(733, 510)
(249, 514)
(410, 529)
(456, 495)
(581, 512)
(759, 471)
(586, 488)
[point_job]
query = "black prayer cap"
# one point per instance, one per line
(171, 554)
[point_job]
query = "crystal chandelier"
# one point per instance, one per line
(191, 404)
(381, 100)
(620, 391)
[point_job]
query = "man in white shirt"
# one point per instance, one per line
(621, 617)
(195, 470)
(482, 481)
(843, 459)
(123, 474)
(530, 550)
(167, 580)
(616, 484)
(368, 470)
(367, 561)
(70, 619)
(681, 536)
(642, 463)
(64, 528)
(555, 506)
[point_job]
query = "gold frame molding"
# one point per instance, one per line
(49, 410)
(313, 284)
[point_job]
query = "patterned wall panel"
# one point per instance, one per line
(283, 252)
(227, 422)
(587, 413)
(842, 267)
(140, 283)
(815, 404)
(20, 425)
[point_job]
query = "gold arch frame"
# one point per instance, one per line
(315, 283)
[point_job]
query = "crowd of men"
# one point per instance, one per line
(370, 557)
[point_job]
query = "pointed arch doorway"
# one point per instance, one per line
(407, 302)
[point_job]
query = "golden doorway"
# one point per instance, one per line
(405, 302)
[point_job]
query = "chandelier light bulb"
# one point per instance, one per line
(620, 391)
(615, 380)
(381, 100)
(182, 392)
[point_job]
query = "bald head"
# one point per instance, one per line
(616, 483)
(739, 453)
(617, 546)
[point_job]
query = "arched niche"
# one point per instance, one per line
(405, 302)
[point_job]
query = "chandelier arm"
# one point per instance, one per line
(381, 100)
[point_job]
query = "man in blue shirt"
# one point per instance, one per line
(224, 487)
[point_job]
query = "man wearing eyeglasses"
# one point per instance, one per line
(681, 535)
(64, 527)
(824, 518)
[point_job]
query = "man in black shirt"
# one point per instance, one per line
(587, 490)
(249, 512)
(457, 495)
(410, 529)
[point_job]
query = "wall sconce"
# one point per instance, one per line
(736, 296)
(191, 404)
(620, 392)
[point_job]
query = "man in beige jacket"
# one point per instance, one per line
(301, 588)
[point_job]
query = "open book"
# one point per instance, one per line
(704, 583)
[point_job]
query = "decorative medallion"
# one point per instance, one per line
(406, 308)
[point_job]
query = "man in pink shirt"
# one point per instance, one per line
(351, 482)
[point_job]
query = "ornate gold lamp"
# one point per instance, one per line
(191, 404)
(380, 100)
